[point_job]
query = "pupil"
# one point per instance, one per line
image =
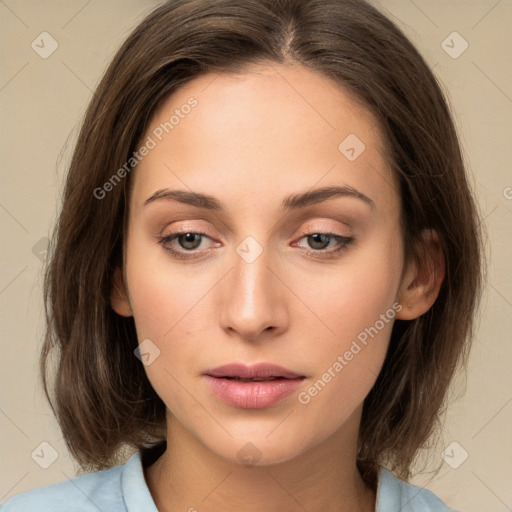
(189, 238)
(319, 238)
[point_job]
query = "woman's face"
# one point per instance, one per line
(272, 271)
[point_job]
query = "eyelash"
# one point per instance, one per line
(343, 241)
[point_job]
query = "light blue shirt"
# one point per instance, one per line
(124, 489)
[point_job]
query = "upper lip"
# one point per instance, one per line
(256, 371)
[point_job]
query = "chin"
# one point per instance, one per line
(261, 450)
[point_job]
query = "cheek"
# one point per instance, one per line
(346, 366)
(165, 310)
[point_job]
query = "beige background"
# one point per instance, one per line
(42, 101)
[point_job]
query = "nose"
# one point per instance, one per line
(253, 300)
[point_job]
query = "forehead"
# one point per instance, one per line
(269, 129)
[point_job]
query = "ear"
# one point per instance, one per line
(422, 279)
(119, 296)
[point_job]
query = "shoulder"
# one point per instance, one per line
(102, 490)
(394, 494)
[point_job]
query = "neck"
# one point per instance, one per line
(190, 477)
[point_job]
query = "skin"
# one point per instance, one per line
(253, 139)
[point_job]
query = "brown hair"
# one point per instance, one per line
(102, 397)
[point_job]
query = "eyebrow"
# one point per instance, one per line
(292, 202)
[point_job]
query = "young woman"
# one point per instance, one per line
(265, 270)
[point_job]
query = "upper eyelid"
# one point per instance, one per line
(302, 232)
(347, 226)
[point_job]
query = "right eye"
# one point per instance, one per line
(189, 241)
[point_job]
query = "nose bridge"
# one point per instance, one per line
(252, 302)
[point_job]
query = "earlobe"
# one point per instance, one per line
(422, 281)
(119, 296)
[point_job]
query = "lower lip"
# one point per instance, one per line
(253, 395)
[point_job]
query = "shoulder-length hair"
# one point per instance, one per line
(101, 395)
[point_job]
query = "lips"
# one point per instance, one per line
(252, 387)
(262, 371)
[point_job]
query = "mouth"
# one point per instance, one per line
(255, 379)
(252, 387)
(254, 373)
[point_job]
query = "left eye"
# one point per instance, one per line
(320, 241)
